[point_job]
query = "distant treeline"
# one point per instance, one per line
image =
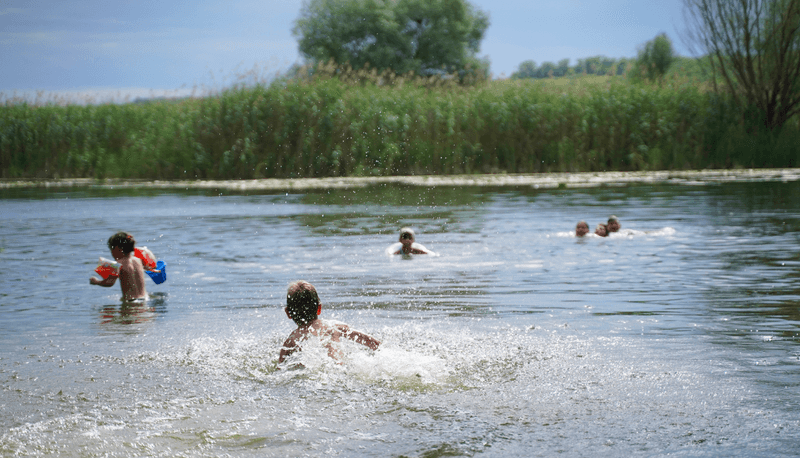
(340, 123)
(598, 65)
(601, 65)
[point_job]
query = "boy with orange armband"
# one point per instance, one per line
(129, 267)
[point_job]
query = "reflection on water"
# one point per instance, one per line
(388, 196)
(127, 313)
(136, 312)
(352, 212)
(678, 335)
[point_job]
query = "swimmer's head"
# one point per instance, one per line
(406, 234)
(123, 241)
(613, 224)
(302, 302)
(601, 230)
(581, 229)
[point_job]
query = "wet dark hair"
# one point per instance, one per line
(302, 302)
(406, 233)
(123, 240)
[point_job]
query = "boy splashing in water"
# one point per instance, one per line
(303, 307)
(131, 270)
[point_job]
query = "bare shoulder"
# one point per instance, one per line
(130, 263)
(301, 333)
(295, 336)
(290, 345)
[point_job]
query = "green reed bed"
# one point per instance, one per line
(361, 124)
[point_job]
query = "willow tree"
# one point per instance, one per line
(753, 47)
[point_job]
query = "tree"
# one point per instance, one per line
(592, 65)
(424, 36)
(621, 66)
(754, 45)
(526, 69)
(655, 58)
(546, 70)
(563, 68)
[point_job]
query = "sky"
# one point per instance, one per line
(112, 49)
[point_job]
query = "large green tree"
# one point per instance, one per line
(754, 47)
(424, 36)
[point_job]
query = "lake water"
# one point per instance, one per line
(678, 336)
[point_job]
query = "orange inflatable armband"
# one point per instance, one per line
(147, 257)
(107, 268)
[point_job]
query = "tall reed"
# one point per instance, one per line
(339, 122)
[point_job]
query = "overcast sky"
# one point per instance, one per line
(145, 47)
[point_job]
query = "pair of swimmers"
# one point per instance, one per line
(603, 230)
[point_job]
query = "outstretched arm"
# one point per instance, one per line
(289, 346)
(361, 338)
(105, 282)
(285, 352)
(418, 248)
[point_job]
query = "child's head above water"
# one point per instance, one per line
(406, 233)
(302, 302)
(123, 241)
(613, 224)
(303, 307)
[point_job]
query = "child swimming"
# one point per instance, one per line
(407, 245)
(303, 307)
(613, 224)
(581, 229)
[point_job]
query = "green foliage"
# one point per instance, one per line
(654, 58)
(562, 69)
(753, 49)
(597, 65)
(526, 69)
(358, 123)
(422, 36)
(696, 69)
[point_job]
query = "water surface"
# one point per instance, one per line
(677, 336)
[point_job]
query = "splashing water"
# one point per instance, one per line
(677, 335)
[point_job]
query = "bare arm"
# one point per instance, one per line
(110, 281)
(285, 352)
(417, 248)
(361, 338)
(289, 346)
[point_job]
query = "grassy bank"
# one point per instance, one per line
(329, 127)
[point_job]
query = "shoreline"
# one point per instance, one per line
(536, 181)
